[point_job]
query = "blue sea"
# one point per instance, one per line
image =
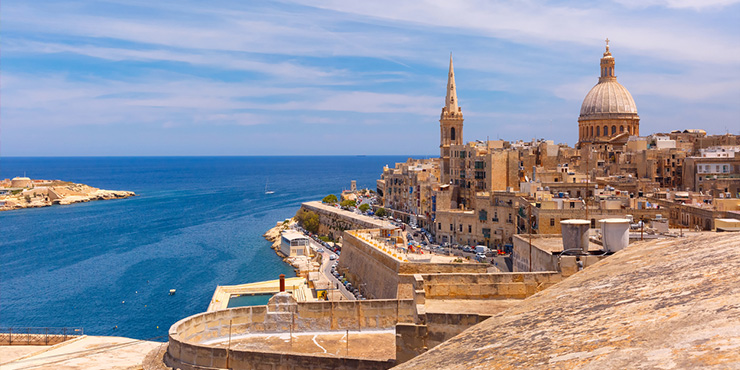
(107, 266)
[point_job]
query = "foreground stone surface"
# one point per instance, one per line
(86, 353)
(669, 304)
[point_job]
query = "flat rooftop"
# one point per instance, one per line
(667, 304)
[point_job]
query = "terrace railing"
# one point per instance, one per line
(37, 336)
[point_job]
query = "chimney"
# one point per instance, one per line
(282, 283)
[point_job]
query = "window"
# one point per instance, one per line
(593, 223)
(614, 129)
(598, 131)
(552, 222)
(452, 133)
(439, 226)
(451, 229)
(482, 215)
(460, 227)
(572, 205)
(606, 130)
(621, 128)
(470, 228)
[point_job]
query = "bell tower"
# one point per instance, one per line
(451, 126)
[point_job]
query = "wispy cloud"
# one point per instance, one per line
(298, 68)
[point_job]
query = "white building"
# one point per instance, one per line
(293, 243)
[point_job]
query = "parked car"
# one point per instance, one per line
(320, 250)
(333, 257)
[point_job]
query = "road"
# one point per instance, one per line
(325, 269)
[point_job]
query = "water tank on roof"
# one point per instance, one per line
(575, 235)
(615, 233)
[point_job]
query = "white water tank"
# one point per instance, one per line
(615, 233)
(575, 235)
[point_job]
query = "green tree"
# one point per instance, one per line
(381, 212)
(308, 220)
(346, 204)
(363, 207)
(331, 199)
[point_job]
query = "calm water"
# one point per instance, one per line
(197, 223)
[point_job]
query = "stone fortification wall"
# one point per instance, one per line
(367, 267)
(415, 339)
(380, 274)
(484, 286)
(333, 221)
(187, 351)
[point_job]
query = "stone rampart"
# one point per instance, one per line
(375, 271)
(188, 347)
(333, 221)
(381, 275)
(484, 286)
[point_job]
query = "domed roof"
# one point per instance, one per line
(608, 97)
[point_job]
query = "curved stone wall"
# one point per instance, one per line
(187, 349)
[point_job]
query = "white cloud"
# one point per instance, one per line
(680, 4)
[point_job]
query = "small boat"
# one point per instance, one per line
(268, 191)
(172, 291)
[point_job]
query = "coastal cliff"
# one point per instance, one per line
(44, 193)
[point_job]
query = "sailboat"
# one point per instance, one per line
(268, 191)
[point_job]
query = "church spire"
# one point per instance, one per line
(451, 100)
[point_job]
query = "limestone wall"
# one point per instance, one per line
(333, 221)
(370, 268)
(186, 337)
(442, 326)
(379, 274)
(485, 286)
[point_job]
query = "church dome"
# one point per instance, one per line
(608, 97)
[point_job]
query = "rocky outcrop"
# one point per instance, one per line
(56, 192)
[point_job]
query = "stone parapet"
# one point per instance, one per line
(192, 340)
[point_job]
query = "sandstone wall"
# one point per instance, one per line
(370, 268)
(333, 221)
(485, 286)
(186, 337)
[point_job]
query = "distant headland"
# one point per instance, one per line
(23, 192)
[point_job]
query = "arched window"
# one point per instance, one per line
(614, 129)
(621, 128)
(452, 133)
(606, 131)
(598, 131)
(591, 131)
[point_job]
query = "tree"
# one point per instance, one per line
(346, 204)
(363, 207)
(331, 199)
(308, 220)
(380, 212)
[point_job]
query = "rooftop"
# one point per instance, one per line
(672, 304)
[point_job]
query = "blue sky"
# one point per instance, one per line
(348, 77)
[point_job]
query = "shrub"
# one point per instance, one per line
(363, 207)
(381, 212)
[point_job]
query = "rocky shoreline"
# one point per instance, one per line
(45, 193)
(273, 235)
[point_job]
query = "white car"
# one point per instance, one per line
(333, 257)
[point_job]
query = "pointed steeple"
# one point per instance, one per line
(451, 99)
